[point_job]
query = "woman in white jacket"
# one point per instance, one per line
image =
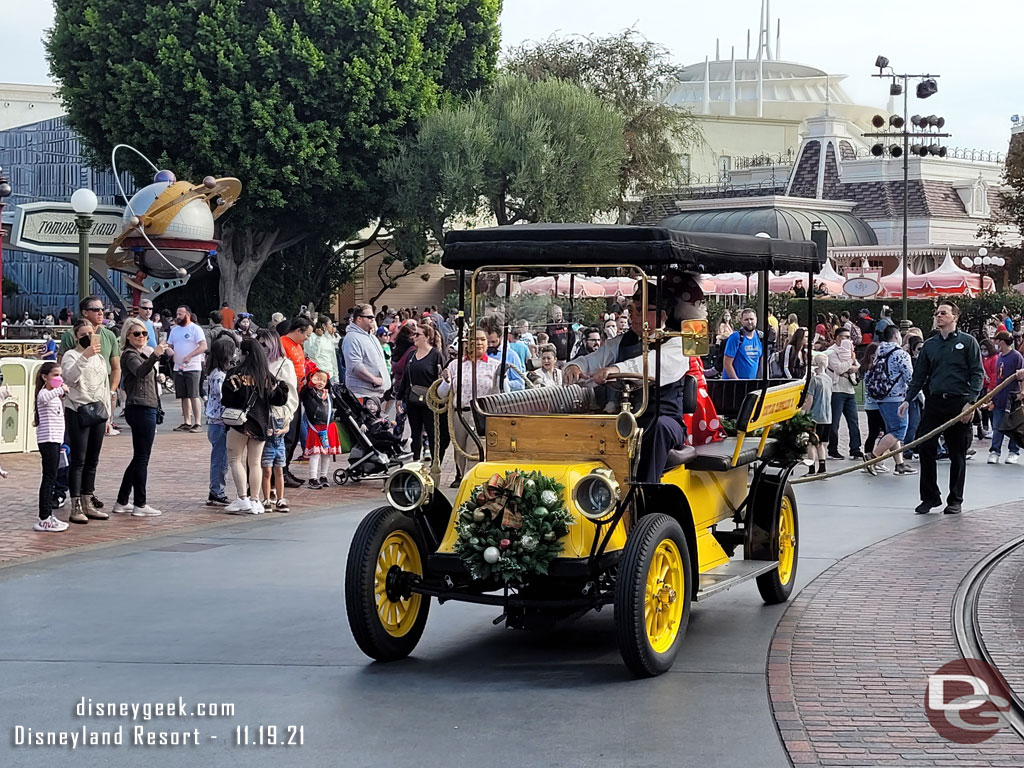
(85, 373)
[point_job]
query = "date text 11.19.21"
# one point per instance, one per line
(269, 735)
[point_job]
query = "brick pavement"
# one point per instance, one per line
(848, 665)
(1001, 618)
(178, 486)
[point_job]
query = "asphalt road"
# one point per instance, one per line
(253, 616)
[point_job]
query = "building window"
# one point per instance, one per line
(684, 167)
(724, 166)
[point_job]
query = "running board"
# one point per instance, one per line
(732, 573)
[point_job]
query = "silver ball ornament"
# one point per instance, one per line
(209, 182)
(549, 498)
(541, 512)
(492, 555)
(549, 536)
(529, 542)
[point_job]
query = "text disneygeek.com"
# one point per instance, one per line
(153, 735)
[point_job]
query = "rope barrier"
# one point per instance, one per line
(938, 430)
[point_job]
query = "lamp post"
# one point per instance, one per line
(5, 192)
(84, 203)
(927, 87)
(983, 264)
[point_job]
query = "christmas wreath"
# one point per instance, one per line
(792, 438)
(511, 527)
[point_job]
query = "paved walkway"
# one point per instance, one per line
(178, 486)
(848, 665)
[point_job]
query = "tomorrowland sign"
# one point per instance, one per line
(50, 228)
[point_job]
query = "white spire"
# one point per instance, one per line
(732, 83)
(768, 31)
(748, 45)
(760, 32)
(760, 87)
(718, 57)
(828, 95)
(707, 87)
(778, 40)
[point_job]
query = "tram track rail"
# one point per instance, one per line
(967, 627)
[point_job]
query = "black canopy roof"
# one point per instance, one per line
(543, 244)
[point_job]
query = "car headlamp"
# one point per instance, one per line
(409, 488)
(596, 494)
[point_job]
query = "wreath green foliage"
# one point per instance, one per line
(792, 438)
(529, 549)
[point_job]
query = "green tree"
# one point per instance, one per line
(520, 151)
(1007, 223)
(300, 99)
(630, 74)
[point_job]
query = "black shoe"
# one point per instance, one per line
(58, 501)
(811, 470)
(216, 501)
(860, 456)
(836, 456)
(291, 481)
(456, 482)
(314, 484)
(323, 482)
(951, 509)
(926, 506)
(97, 503)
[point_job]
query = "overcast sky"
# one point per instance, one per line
(974, 45)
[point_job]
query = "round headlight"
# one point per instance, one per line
(596, 494)
(408, 488)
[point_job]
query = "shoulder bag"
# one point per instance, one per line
(236, 417)
(91, 414)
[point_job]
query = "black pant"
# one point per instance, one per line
(85, 444)
(293, 437)
(957, 438)
(421, 419)
(658, 439)
(50, 454)
(876, 427)
(142, 421)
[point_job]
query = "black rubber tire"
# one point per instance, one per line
(341, 476)
(630, 591)
(360, 603)
(772, 590)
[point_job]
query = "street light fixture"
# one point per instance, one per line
(982, 264)
(84, 203)
(925, 88)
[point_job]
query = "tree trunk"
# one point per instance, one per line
(243, 253)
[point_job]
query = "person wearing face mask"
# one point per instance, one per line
(843, 367)
(663, 428)
(50, 347)
(86, 411)
(48, 419)
(515, 366)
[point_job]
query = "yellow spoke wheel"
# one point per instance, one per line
(386, 625)
(652, 595)
(397, 616)
(784, 526)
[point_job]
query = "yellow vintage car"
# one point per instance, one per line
(649, 550)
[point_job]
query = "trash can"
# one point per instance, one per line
(17, 433)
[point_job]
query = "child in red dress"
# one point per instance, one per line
(322, 438)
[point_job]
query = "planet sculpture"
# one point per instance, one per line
(168, 226)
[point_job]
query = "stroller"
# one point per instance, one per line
(375, 450)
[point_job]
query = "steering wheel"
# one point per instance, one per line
(617, 380)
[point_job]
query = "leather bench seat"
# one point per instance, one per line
(717, 457)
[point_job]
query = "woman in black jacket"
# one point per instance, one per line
(251, 389)
(423, 366)
(142, 404)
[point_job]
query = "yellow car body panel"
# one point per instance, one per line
(577, 543)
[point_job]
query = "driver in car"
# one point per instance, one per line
(663, 428)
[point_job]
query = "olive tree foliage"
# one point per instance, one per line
(1005, 230)
(302, 100)
(631, 75)
(519, 151)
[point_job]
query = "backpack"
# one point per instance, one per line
(878, 382)
(775, 369)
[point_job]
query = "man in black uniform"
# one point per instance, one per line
(663, 429)
(949, 371)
